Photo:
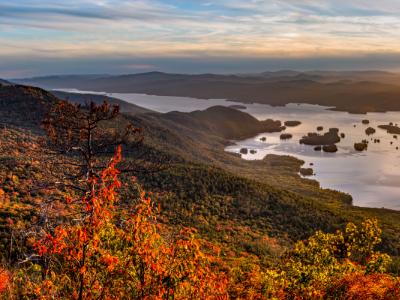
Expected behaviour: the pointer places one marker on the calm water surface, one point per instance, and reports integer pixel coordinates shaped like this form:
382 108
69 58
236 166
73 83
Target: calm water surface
372 177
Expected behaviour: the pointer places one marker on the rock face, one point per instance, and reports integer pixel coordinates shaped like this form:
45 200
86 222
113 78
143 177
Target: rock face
328 138
370 130
306 171
330 148
365 122
286 136
392 129
360 146
292 123
244 151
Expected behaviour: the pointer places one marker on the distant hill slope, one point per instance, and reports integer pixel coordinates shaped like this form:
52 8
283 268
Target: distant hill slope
24 106
86 98
225 122
4 82
58 81
356 92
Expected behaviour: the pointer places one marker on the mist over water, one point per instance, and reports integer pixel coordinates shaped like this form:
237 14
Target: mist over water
371 177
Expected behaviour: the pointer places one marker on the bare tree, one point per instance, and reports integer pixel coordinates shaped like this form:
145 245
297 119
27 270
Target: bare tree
86 137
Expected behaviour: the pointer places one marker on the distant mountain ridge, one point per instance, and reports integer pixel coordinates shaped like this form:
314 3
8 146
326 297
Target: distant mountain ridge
355 92
26 106
4 82
79 98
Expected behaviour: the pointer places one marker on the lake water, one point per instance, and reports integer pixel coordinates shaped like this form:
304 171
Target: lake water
371 177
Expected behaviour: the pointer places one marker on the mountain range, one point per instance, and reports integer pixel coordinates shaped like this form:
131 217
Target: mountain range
354 92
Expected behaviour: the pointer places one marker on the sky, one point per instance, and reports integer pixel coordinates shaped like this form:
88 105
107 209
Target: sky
42 37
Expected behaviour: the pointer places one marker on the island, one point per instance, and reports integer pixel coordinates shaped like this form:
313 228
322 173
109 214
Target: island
328 138
237 106
330 148
292 123
361 146
370 130
286 136
392 129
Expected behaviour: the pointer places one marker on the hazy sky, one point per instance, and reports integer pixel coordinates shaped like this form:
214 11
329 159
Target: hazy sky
127 36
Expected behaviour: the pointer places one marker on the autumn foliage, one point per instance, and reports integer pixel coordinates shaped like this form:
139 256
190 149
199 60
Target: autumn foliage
105 252
365 287
101 247
4 280
110 254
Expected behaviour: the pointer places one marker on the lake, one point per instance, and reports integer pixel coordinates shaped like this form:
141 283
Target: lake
371 177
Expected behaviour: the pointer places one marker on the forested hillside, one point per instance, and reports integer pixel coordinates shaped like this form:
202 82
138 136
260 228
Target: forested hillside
156 209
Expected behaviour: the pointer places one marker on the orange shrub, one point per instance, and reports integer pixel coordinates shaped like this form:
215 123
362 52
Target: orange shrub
365 287
121 255
4 280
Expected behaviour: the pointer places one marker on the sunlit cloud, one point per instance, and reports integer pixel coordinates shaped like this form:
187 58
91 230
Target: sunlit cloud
112 29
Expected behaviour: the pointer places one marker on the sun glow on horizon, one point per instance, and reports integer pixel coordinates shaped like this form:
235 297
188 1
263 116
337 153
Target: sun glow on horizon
152 32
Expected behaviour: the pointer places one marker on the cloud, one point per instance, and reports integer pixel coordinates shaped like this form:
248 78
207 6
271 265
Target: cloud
83 29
